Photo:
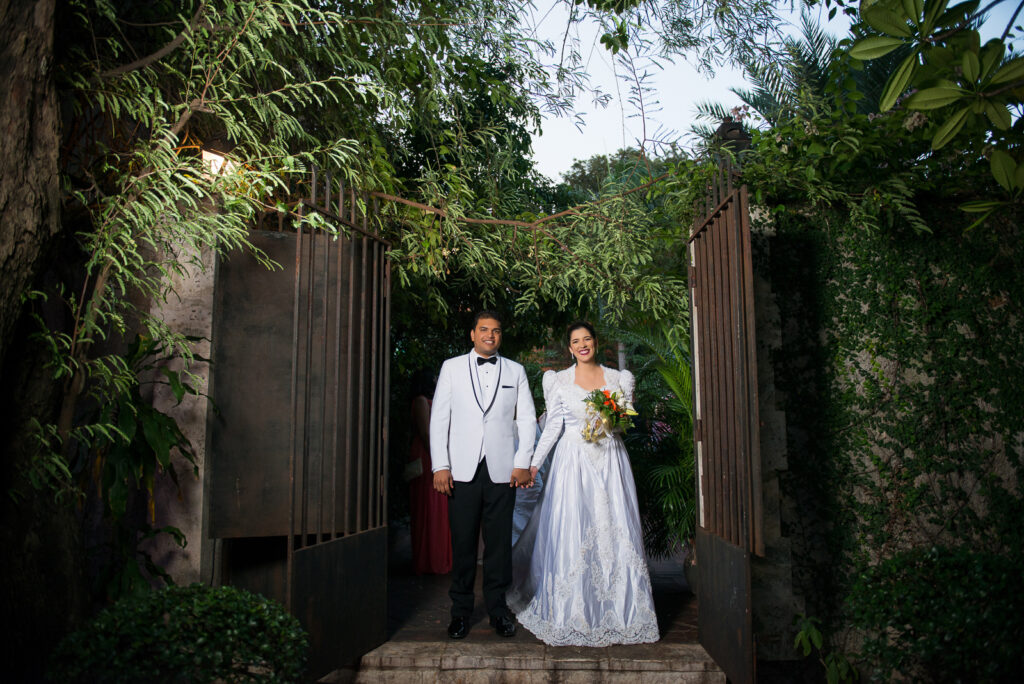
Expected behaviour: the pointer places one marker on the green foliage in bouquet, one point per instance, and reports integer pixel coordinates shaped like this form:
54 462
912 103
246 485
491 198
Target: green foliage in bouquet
608 412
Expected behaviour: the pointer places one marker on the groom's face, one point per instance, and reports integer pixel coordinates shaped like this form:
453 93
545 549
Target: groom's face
486 336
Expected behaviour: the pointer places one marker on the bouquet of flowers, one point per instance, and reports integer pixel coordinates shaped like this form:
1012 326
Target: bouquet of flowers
607 412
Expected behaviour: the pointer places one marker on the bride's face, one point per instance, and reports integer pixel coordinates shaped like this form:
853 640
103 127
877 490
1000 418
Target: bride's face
582 345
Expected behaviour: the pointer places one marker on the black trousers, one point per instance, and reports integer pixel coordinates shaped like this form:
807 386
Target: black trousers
473 505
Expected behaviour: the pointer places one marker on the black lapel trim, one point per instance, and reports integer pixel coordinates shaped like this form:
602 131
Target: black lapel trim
497 387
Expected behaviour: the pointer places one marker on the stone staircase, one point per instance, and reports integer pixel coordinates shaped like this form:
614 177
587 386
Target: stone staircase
472 663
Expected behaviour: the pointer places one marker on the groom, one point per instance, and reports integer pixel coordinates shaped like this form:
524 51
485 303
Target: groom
479 399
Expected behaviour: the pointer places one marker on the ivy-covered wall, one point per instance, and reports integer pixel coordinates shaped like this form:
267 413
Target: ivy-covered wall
901 374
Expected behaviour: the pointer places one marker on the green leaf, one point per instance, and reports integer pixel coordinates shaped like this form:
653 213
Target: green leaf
886 21
1003 168
991 55
998 114
933 10
175 381
1011 71
898 83
949 129
156 436
912 10
971 66
126 422
933 98
875 47
1018 176
979 206
955 15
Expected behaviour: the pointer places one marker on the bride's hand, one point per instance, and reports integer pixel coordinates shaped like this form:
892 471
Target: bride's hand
521 478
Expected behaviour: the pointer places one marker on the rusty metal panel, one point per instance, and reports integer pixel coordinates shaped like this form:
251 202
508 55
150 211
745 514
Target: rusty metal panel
724 624
722 290
298 463
339 594
248 462
727 443
266 449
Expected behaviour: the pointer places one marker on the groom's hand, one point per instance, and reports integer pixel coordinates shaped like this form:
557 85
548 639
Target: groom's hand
521 478
443 482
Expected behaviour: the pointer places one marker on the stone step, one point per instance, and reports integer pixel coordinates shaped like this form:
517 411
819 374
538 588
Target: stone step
472 663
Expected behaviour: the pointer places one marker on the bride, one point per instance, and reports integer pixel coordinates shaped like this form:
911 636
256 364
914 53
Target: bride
579 574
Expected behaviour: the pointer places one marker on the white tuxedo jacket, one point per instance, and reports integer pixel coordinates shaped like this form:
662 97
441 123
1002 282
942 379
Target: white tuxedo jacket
464 425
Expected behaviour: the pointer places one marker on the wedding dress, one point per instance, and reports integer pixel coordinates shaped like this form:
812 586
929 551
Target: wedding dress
579 575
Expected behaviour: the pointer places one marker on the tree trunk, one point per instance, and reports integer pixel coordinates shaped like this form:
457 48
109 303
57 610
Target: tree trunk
42 587
29 123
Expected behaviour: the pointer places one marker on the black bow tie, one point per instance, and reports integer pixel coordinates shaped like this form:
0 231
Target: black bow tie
480 360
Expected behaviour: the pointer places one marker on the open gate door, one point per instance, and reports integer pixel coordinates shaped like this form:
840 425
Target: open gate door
297 465
726 434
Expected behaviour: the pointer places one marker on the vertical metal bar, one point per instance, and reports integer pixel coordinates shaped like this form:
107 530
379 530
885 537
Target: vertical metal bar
336 421
742 380
753 410
737 377
312 182
709 434
733 455
341 198
386 347
327 191
724 421
712 420
349 409
709 354
324 380
360 454
306 487
696 360
372 441
373 436
290 561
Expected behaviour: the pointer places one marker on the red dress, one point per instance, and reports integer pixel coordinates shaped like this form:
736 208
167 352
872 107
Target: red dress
428 509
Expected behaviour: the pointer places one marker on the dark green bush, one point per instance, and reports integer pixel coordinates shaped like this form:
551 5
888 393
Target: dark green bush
185 634
944 615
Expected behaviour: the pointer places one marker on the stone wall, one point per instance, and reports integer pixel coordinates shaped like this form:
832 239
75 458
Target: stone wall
189 311
775 605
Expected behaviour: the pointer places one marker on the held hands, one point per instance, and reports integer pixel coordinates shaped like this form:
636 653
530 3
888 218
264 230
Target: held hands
443 482
521 477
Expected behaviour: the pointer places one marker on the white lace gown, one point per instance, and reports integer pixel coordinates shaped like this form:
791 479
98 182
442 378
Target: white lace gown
579 576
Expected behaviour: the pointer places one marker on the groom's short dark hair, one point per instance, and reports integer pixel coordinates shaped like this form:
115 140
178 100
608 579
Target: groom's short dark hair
486 314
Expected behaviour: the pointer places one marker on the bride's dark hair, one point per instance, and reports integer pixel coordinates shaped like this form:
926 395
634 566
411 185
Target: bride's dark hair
576 325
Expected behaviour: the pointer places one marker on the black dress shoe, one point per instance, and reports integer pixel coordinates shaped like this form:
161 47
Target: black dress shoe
458 628
504 626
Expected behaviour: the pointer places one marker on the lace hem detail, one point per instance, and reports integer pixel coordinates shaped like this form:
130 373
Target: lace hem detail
644 630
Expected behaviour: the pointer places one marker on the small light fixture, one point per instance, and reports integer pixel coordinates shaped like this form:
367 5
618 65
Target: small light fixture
215 160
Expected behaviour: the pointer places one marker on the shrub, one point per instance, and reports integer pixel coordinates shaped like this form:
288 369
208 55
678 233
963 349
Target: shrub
185 634
943 615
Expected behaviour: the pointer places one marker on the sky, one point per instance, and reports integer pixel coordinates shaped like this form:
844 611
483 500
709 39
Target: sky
678 88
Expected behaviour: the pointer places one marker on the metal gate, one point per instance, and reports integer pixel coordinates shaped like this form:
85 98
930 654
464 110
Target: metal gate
298 449
726 431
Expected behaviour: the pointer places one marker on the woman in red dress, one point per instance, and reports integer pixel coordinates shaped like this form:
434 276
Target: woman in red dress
428 508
